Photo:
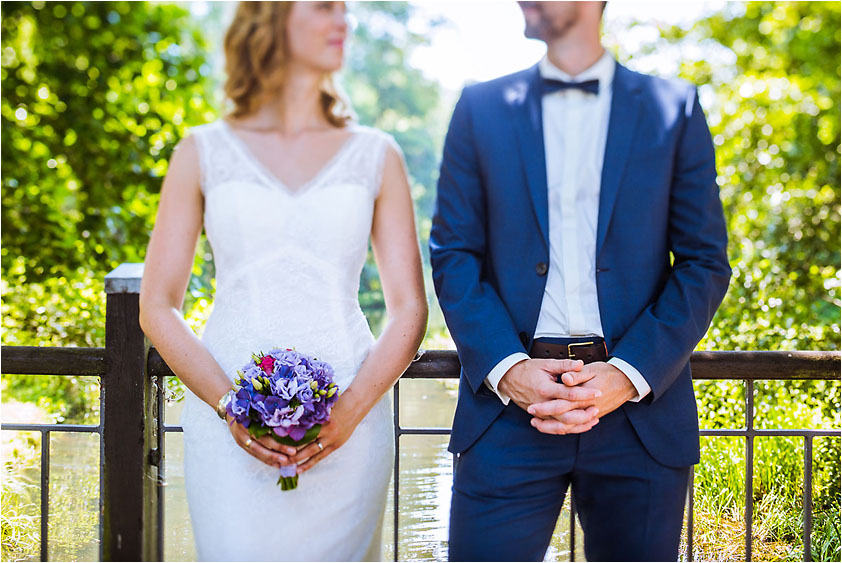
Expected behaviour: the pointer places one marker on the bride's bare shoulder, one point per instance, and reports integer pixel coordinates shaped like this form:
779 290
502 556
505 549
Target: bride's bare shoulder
185 165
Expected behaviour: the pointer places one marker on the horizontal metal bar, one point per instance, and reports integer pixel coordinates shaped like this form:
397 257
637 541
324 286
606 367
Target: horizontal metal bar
444 364
720 365
425 431
770 432
435 364
52 360
765 365
15 427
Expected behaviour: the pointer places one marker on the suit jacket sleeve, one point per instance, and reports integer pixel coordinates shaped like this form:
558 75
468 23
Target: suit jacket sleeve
479 323
659 342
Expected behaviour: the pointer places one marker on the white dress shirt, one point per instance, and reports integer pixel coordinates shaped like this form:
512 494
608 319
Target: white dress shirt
575 130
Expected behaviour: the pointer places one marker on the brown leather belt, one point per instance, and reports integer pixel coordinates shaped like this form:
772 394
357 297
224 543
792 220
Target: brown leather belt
586 349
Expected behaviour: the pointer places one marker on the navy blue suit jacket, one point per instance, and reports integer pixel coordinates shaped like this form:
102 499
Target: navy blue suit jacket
658 197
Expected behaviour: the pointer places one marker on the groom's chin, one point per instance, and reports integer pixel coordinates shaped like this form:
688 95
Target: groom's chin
533 32
533 28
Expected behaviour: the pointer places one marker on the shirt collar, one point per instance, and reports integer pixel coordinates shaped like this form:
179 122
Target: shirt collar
602 70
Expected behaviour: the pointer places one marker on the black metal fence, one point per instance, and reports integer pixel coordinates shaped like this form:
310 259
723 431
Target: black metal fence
132 428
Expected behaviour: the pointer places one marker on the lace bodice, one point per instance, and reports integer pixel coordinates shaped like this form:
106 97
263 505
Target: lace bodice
288 263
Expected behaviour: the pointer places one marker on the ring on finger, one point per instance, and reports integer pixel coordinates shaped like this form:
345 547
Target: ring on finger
248 443
319 443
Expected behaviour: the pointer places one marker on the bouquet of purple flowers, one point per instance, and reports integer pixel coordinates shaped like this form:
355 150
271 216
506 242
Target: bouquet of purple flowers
287 395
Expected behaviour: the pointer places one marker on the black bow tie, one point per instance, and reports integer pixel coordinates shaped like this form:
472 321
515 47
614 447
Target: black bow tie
551 85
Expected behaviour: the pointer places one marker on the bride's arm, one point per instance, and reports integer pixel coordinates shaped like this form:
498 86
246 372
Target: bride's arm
394 240
169 259
396 251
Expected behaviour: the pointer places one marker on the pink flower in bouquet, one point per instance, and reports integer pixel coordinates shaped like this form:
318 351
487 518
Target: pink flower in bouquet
267 364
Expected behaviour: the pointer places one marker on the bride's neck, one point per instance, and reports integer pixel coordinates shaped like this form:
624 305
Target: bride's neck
295 109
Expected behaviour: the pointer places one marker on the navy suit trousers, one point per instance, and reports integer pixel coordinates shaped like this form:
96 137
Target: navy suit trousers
509 487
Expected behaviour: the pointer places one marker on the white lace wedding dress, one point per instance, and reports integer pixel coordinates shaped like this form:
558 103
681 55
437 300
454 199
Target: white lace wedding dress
288 266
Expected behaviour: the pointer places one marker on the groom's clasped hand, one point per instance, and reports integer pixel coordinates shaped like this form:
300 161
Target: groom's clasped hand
590 391
566 396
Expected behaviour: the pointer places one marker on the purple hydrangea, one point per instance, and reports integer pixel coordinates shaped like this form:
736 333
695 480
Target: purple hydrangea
286 394
278 397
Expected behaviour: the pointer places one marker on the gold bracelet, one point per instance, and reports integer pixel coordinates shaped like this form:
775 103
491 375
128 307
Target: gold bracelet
221 406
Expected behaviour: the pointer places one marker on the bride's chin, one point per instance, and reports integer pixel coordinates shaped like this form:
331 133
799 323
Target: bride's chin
332 62
335 67
323 68
324 62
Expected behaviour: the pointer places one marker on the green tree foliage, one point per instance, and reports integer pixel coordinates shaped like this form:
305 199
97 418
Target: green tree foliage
94 96
775 118
389 94
769 76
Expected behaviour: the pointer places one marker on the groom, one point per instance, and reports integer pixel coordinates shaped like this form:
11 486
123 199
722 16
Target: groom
579 253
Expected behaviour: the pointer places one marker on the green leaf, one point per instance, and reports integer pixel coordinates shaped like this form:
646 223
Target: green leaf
311 435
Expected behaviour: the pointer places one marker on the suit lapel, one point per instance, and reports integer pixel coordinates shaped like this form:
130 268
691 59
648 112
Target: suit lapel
625 110
524 98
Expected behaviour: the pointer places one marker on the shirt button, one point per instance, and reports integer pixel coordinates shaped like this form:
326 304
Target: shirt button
541 268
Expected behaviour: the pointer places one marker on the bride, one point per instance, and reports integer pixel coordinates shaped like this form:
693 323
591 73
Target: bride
289 190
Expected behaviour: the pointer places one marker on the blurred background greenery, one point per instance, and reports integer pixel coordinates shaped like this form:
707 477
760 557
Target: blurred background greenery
96 94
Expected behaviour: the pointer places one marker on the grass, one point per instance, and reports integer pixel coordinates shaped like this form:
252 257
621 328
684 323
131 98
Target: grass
19 516
74 491
777 517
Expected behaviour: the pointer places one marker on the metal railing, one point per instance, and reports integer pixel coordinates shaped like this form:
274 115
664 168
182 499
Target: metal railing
132 429
740 366
129 407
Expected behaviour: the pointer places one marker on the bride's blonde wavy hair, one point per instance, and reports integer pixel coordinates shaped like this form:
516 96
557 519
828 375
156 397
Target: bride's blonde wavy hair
256 53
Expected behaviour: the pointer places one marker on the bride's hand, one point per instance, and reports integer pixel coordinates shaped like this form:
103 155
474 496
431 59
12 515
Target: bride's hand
265 449
343 420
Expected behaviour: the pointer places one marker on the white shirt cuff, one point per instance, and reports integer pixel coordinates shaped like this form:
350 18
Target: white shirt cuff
495 375
634 376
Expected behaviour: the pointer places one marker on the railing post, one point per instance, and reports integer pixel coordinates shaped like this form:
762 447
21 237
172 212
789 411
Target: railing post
396 406
129 493
749 492
808 497
690 497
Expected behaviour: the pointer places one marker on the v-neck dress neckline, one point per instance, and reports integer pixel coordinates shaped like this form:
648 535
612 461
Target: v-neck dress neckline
271 178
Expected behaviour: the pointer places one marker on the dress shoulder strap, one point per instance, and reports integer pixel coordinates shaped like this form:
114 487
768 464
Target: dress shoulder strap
369 154
217 159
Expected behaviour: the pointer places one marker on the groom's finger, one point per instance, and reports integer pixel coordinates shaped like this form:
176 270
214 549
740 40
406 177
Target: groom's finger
573 378
574 393
557 408
578 417
553 426
560 366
